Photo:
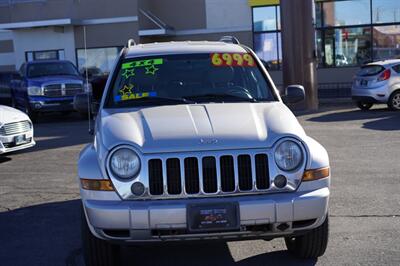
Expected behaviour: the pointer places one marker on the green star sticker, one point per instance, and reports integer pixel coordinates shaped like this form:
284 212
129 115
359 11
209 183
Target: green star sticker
126 90
128 73
151 70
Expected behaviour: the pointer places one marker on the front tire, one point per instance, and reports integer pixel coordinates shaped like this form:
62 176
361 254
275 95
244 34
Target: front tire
394 101
364 106
311 245
32 115
97 251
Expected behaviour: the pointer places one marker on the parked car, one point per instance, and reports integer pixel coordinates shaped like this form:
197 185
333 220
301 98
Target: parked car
16 130
193 142
377 82
47 86
5 86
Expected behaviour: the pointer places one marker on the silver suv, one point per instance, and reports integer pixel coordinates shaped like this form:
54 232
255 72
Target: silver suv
378 82
193 142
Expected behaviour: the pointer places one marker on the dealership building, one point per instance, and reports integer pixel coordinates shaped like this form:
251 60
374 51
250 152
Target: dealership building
349 33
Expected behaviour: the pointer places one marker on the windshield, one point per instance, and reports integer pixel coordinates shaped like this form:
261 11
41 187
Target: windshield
188 78
51 69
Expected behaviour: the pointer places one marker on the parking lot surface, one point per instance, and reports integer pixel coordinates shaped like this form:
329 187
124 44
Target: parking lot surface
39 199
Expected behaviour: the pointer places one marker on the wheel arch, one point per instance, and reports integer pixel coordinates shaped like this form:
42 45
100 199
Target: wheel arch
88 165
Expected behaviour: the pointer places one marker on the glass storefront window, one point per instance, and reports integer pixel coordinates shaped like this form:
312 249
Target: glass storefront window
318 15
268 47
347 46
348 12
386 42
385 11
320 50
278 19
45 55
348 32
99 60
264 18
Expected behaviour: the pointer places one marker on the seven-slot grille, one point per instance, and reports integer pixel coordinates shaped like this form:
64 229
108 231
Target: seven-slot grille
15 128
59 90
208 175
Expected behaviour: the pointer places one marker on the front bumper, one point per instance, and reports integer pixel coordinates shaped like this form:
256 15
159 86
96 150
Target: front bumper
46 104
7 143
160 220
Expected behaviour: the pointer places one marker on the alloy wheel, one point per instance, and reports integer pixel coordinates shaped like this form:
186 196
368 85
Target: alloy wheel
396 101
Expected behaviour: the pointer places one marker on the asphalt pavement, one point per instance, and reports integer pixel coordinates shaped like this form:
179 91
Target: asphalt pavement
39 199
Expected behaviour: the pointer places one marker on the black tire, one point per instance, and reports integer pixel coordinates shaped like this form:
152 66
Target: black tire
364 106
66 113
13 103
311 245
32 115
394 101
97 251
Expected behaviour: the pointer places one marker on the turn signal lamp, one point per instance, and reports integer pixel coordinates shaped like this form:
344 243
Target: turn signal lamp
315 174
95 184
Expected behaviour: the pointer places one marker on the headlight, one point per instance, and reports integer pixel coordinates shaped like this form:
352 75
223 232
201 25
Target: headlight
125 163
35 91
288 155
87 87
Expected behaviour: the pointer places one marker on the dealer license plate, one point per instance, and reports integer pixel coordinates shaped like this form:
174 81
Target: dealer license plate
213 217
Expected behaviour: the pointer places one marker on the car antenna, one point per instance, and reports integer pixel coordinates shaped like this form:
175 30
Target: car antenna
90 130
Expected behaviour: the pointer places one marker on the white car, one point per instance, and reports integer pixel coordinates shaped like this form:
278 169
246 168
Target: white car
16 130
377 82
193 142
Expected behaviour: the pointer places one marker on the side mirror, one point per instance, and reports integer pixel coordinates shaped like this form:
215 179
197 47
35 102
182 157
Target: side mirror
294 94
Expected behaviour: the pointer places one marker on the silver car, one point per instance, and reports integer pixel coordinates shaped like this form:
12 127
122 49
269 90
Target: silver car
193 142
377 82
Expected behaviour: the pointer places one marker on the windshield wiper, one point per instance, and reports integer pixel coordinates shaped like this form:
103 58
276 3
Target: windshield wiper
157 99
223 97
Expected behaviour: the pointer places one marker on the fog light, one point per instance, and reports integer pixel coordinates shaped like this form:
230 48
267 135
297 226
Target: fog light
137 189
280 181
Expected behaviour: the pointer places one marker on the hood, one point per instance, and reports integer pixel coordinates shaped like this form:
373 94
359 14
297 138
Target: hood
9 115
59 78
198 127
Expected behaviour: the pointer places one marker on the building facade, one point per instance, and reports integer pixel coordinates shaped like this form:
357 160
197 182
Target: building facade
60 29
349 33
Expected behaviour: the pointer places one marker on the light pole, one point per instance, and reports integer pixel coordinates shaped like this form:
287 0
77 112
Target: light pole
299 49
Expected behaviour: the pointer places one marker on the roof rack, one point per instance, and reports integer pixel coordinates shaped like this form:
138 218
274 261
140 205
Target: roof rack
131 43
229 39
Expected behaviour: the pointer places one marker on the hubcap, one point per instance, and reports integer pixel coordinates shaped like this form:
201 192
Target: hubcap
396 101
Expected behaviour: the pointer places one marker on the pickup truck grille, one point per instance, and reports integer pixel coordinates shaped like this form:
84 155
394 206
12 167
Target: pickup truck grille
209 175
15 128
60 90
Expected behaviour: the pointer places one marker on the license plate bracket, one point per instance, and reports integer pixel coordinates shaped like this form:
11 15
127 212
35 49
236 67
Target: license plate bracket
20 139
213 217
364 82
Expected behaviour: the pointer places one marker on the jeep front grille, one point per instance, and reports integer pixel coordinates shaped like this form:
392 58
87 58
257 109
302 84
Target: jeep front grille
15 128
208 175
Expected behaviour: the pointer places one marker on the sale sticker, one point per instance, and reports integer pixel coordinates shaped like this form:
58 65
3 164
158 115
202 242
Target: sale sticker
232 59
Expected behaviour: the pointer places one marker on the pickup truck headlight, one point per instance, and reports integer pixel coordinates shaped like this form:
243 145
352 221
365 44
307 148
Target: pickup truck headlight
35 91
288 155
125 163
